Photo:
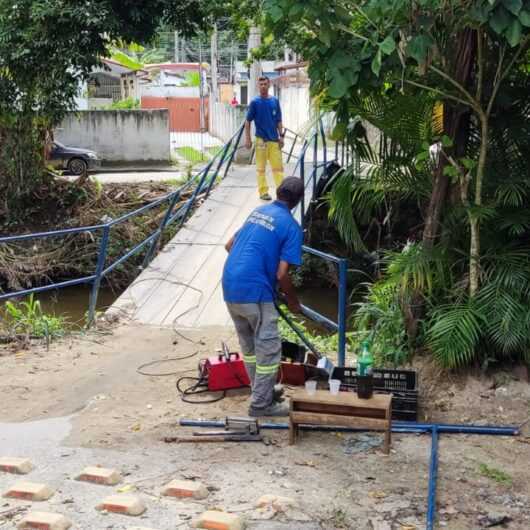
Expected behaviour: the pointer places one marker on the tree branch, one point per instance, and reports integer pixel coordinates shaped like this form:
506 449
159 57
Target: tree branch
440 92
522 48
480 64
472 102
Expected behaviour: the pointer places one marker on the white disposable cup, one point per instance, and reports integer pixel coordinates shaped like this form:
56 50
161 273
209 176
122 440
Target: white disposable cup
334 386
310 387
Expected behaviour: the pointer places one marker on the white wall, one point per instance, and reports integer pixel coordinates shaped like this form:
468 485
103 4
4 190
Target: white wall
119 135
170 91
296 107
225 119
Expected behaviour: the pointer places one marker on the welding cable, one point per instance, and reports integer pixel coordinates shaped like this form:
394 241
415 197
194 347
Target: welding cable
199 386
162 361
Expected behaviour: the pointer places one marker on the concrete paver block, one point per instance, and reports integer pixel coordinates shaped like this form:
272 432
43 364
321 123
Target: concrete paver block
100 475
45 521
30 491
215 520
185 488
20 466
139 528
125 504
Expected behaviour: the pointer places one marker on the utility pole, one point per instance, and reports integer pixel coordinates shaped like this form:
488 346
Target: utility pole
176 54
215 60
254 41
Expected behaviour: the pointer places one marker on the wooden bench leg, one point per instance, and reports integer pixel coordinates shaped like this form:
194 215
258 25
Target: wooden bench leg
386 447
292 432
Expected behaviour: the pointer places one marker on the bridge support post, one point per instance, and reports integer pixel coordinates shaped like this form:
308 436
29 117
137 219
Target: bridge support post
343 299
161 228
102 257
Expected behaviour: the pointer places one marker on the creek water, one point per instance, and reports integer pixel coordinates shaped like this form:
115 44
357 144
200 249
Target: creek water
71 302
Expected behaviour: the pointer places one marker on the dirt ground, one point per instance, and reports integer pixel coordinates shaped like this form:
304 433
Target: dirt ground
336 480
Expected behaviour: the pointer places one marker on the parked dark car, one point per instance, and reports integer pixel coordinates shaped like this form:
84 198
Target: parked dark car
75 159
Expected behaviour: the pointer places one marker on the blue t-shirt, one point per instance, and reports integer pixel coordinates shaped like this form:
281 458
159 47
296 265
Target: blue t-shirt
269 235
266 114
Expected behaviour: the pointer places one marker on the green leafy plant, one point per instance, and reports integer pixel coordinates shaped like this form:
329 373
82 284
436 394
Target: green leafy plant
28 318
129 103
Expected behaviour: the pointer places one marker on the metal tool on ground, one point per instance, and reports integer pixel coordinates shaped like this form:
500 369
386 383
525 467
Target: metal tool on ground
214 438
236 429
235 426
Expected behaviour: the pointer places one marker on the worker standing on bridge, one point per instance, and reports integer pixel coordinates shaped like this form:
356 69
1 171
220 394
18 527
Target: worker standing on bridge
259 256
265 112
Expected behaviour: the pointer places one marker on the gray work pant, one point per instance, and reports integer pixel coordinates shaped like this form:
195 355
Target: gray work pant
257 330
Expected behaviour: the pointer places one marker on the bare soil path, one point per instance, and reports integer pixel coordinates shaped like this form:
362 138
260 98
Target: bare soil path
84 403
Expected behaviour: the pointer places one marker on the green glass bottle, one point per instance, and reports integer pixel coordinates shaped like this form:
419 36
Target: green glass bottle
366 360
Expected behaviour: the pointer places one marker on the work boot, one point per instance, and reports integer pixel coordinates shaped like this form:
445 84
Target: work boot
276 409
265 197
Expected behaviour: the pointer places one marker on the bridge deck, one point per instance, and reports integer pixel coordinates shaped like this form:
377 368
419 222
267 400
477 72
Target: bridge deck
182 286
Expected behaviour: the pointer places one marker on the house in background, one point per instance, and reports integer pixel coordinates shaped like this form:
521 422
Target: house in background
240 88
177 87
110 83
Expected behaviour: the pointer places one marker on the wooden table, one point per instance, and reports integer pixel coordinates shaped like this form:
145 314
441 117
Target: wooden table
342 410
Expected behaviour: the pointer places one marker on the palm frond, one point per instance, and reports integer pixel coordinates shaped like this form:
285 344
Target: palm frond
454 332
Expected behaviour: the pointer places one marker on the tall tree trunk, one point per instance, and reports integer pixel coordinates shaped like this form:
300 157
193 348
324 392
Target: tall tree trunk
456 126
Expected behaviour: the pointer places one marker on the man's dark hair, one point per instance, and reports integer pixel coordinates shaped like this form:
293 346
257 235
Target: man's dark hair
263 78
290 191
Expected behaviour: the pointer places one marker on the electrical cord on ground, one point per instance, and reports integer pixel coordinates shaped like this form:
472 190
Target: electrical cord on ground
162 361
199 386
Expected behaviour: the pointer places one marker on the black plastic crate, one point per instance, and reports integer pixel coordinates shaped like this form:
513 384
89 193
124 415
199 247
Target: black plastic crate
384 379
402 384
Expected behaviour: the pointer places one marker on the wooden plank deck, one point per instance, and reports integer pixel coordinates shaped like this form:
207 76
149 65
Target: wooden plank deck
182 285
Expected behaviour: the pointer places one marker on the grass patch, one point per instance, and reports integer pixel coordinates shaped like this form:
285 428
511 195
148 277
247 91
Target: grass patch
27 318
497 475
214 150
191 154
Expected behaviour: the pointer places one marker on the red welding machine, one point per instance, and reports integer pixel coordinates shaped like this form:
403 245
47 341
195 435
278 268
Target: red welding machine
225 371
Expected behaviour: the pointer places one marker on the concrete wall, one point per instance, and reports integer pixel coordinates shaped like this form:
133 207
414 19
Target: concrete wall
119 135
296 107
225 119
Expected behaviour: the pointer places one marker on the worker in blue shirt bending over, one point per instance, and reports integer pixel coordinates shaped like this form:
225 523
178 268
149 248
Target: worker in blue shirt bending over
259 257
265 112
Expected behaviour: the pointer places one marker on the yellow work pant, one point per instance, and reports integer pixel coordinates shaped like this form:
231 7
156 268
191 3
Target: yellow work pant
268 151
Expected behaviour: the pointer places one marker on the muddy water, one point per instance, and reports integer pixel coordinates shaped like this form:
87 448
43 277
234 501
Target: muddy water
72 303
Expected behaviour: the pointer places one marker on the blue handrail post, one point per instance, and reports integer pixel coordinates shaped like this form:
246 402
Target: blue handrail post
161 228
433 472
324 146
315 151
236 144
102 257
218 168
302 201
343 283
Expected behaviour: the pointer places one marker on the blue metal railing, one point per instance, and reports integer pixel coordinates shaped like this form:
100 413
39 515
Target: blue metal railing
201 184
